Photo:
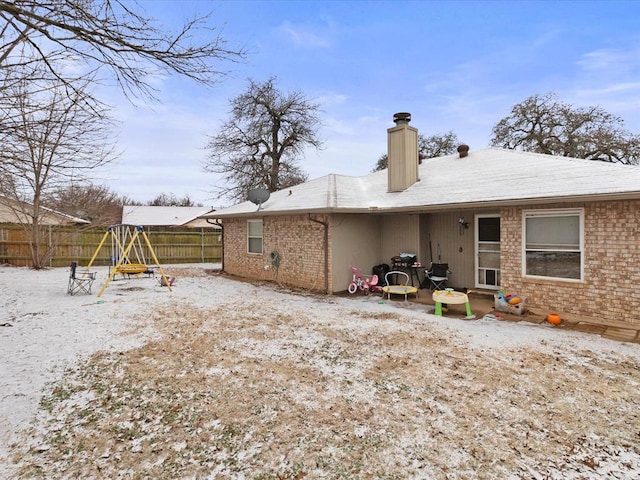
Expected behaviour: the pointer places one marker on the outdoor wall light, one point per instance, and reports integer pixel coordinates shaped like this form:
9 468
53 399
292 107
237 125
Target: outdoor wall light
462 225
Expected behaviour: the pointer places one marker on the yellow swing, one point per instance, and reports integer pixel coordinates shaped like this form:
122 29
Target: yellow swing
126 240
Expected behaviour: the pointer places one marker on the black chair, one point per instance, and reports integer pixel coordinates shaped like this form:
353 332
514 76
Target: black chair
437 276
80 284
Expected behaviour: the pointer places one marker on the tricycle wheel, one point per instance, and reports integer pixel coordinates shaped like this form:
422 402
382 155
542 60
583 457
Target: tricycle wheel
352 287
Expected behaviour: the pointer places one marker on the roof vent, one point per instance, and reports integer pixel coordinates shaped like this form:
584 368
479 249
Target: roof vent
401 118
463 150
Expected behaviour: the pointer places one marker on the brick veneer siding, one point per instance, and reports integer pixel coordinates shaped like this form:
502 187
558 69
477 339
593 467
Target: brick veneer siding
298 241
611 286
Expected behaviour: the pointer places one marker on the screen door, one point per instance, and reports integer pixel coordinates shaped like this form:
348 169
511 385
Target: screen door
487 233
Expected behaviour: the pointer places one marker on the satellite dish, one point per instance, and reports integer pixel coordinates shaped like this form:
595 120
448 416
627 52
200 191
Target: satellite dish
258 196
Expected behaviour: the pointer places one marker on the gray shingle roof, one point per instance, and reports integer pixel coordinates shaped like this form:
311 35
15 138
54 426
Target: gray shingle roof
161 215
492 176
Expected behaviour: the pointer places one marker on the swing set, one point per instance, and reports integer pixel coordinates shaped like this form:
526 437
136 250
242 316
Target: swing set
128 254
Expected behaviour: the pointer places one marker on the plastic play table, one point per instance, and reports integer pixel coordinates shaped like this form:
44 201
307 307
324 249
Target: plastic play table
449 296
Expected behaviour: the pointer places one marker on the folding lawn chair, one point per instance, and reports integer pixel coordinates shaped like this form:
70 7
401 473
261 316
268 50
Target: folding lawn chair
80 284
437 276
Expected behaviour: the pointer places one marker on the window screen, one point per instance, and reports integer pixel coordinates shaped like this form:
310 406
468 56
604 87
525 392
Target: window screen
553 244
254 236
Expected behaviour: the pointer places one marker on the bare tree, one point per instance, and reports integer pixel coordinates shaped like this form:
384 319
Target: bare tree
438 145
260 145
170 200
544 124
382 163
53 130
98 34
49 137
432 146
96 203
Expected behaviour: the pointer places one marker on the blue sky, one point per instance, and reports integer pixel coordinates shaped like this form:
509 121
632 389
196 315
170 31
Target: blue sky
457 66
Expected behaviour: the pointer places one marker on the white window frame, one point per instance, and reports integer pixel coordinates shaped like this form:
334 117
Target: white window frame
568 212
254 237
476 237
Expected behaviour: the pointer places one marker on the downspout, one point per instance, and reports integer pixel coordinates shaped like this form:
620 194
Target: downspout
215 222
326 252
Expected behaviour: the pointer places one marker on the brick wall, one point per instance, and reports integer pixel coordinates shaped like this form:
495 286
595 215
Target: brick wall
298 241
610 290
611 286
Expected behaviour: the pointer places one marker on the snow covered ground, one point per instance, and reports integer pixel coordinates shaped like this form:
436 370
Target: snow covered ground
229 379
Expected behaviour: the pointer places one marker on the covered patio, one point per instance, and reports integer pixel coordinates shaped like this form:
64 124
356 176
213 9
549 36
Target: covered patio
483 305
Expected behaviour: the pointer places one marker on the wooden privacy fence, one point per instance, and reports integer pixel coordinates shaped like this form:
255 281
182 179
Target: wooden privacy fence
67 244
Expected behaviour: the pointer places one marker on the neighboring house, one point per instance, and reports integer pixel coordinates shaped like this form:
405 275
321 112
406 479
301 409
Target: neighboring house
151 216
562 232
178 234
16 234
15 212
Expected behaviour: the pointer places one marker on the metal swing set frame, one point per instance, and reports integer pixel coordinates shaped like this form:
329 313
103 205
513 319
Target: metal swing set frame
126 242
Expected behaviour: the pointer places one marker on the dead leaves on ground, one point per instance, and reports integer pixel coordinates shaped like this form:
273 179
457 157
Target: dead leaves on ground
271 390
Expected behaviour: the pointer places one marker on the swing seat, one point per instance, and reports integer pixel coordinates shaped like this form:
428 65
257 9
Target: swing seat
126 245
131 269
128 269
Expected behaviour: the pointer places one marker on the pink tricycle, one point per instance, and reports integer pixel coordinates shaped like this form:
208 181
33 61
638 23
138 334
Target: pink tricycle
360 282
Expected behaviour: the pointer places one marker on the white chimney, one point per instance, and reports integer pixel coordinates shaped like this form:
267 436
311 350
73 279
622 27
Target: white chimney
402 153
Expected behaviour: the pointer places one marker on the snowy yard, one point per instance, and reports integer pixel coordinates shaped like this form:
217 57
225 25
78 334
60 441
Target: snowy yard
226 379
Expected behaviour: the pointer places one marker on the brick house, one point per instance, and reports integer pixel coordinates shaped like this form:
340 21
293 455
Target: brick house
562 232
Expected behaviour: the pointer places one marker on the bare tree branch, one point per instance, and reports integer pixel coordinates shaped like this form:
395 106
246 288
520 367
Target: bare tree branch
260 145
432 146
48 140
96 203
543 124
107 33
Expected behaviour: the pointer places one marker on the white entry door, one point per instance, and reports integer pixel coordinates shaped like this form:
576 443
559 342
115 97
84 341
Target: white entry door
487 244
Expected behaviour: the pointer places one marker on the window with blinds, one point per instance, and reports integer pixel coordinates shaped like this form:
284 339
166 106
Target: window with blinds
254 236
553 245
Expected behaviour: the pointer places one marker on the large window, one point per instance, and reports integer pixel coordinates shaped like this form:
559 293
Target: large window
553 245
254 236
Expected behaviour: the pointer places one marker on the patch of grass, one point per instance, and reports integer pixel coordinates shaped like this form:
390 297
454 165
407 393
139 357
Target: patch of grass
276 391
